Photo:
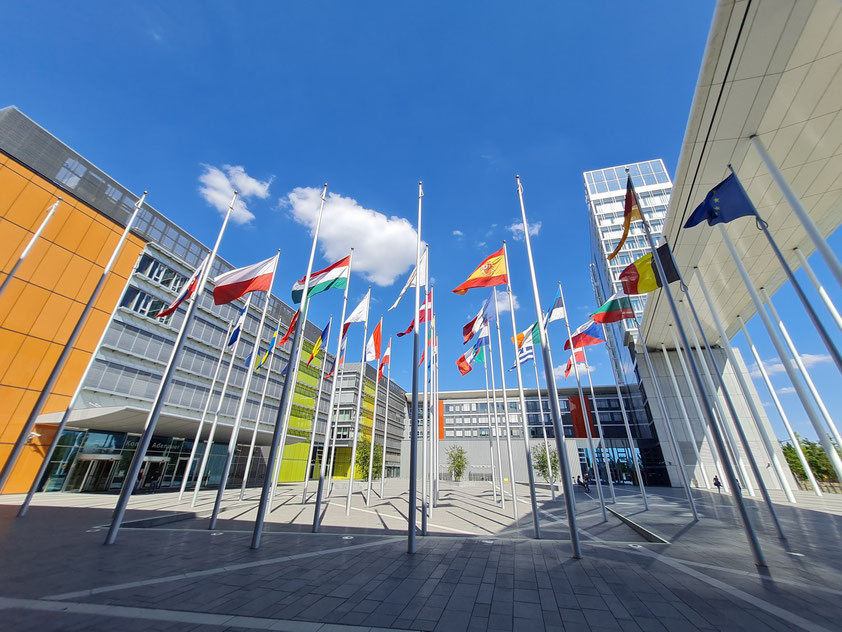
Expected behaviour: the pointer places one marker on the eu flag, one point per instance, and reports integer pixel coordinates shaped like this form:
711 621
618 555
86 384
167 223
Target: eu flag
726 201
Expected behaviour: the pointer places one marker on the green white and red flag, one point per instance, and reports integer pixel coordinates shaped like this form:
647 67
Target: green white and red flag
615 309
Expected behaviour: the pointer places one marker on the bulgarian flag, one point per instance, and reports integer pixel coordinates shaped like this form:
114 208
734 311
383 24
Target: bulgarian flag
466 360
587 334
492 271
579 355
254 278
615 309
186 293
334 276
387 359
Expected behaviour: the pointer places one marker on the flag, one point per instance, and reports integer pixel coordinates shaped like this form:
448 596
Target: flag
530 336
524 354
340 360
424 313
372 347
642 275
587 334
262 360
238 327
247 361
254 278
359 315
556 310
387 358
421 361
485 314
334 276
467 359
580 357
484 337
410 282
290 330
188 291
725 202
319 342
615 309
631 213
492 271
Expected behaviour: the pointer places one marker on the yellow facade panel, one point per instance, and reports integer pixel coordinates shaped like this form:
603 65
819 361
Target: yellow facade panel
93 243
28 208
49 322
17 416
92 329
49 261
14 240
89 284
45 366
9 401
73 277
10 344
74 229
28 306
11 186
68 379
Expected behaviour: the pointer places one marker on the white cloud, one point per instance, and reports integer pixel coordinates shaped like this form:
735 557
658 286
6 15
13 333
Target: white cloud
517 230
558 371
218 186
503 301
786 390
775 366
384 247
458 233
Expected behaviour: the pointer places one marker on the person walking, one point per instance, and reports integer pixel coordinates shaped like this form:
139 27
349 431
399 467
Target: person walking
717 483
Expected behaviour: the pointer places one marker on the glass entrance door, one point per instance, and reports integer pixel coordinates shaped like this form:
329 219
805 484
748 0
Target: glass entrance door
100 475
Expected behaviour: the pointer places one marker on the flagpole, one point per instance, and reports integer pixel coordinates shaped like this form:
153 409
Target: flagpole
599 428
800 212
198 437
434 422
385 423
413 434
269 365
316 413
497 421
374 425
505 407
329 428
796 444
163 389
544 428
340 374
212 432
755 413
757 552
680 398
46 390
280 431
11 274
359 411
490 431
428 405
425 421
828 303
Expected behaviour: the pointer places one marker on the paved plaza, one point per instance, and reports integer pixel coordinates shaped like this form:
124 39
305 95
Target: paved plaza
477 569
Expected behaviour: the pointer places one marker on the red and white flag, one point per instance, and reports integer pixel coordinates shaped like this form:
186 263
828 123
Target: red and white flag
359 315
372 347
580 358
387 358
254 278
424 312
188 291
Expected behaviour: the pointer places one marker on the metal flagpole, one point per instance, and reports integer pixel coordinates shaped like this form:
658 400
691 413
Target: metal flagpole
796 444
544 428
496 421
386 424
800 212
425 418
29 424
11 274
340 374
219 405
152 420
413 433
505 406
238 418
280 431
731 443
318 402
374 427
767 442
796 357
679 397
198 437
429 408
602 439
688 380
828 303
269 365
434 469
331 417
359 412
529 470
490 433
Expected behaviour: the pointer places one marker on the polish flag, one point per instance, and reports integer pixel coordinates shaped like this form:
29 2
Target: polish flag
254 278
387 358
580 358
425 312
372 347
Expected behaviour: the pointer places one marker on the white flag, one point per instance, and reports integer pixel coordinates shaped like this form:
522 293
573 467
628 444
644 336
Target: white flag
410 282
360 313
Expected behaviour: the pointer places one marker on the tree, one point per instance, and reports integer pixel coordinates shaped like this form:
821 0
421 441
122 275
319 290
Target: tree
363 453
457 461
816 457
539 462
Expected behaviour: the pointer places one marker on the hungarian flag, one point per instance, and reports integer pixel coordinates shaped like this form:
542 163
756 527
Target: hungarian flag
414 279
290 331
467 359
359 315
529 337
615 309
188 291
587 334
580 358
631 213
317 346
334 276
490 272
254 278
387 358
372 347
485 315
642 275
424 312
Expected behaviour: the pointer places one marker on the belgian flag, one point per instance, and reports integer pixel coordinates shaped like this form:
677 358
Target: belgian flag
642 276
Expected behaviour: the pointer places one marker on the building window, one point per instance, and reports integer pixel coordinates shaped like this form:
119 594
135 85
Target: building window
143 303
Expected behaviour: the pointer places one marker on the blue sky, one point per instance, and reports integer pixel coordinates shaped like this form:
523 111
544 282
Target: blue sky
185 98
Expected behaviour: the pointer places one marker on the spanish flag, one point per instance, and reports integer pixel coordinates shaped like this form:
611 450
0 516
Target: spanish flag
631 213
490 272
642 277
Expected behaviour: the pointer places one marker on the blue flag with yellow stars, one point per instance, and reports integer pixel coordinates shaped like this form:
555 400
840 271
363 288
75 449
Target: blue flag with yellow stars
726 201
